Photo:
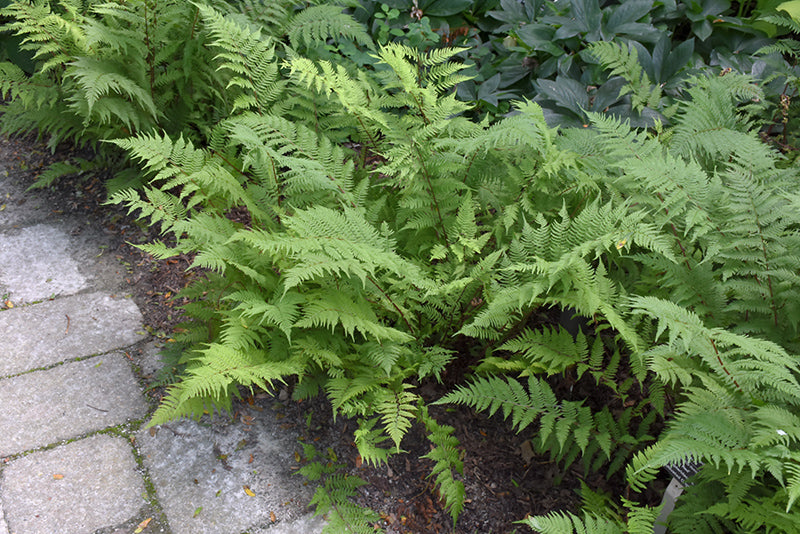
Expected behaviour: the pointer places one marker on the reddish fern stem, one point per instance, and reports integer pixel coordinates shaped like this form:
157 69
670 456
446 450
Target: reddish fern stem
433 197
719 359
395 306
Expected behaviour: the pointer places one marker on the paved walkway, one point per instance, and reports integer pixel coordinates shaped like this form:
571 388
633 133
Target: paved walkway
75 457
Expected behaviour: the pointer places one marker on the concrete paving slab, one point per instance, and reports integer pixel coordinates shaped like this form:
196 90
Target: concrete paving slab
35 264
76 488
202 474
54 331
18 207
66 402
3 525
307 524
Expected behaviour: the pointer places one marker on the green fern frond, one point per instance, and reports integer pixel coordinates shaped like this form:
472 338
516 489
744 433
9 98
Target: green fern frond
312 163
568 523
55 36
314 25
548 350
710 121
333 499
370 440
493 393
334 242
397 410
210 377
447 460
101 79
330 309
249 59
623 60
784 20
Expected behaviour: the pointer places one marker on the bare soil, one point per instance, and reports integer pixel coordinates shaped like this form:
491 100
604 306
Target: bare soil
504 480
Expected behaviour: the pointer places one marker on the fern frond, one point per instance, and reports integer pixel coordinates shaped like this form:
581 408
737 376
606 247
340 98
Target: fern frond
208 381
548 350
333 500
101 79
397 409
334 242
569 523
314 25
710 123
623 60
249 59
331 308
447 460
493 393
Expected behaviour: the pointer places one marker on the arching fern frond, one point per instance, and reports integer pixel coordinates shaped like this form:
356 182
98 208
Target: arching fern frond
250 61
209 381
316 24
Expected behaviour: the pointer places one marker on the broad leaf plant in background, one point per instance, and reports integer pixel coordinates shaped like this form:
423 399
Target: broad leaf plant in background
362 230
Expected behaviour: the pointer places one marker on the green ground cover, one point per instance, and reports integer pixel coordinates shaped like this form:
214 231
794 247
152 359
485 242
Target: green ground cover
379 192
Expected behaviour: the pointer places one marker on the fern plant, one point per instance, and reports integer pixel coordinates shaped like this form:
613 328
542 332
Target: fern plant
108 70
354 279
355 227
312 285
728 359
332 496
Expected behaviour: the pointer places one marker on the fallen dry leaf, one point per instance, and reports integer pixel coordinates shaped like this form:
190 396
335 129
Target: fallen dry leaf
248 491
272 517
527 452
58 476
143 525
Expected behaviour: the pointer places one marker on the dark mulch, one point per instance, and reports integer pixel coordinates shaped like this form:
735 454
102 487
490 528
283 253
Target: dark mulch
504 481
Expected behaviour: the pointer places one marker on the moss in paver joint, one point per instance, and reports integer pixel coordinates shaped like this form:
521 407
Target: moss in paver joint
126 431
63 362
149 486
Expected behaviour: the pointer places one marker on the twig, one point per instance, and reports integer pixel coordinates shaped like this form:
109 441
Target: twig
67 330
96 408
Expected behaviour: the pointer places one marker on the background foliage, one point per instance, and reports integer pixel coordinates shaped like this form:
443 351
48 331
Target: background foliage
368 217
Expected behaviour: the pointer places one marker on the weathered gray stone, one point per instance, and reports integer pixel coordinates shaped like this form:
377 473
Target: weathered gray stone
308 524
66 402
148 358
73 489
3 525
53 331
200 472
35 263
18 207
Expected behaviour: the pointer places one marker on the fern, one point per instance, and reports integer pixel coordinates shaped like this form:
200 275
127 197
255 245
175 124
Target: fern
447 463
747 432
332 497
249 59
315 25
356 230
624 61
211 377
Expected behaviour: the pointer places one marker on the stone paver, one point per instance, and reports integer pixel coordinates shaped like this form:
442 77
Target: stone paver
30 272
63 377
73 489
184 462
3 525
18 207
67 401
54 331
